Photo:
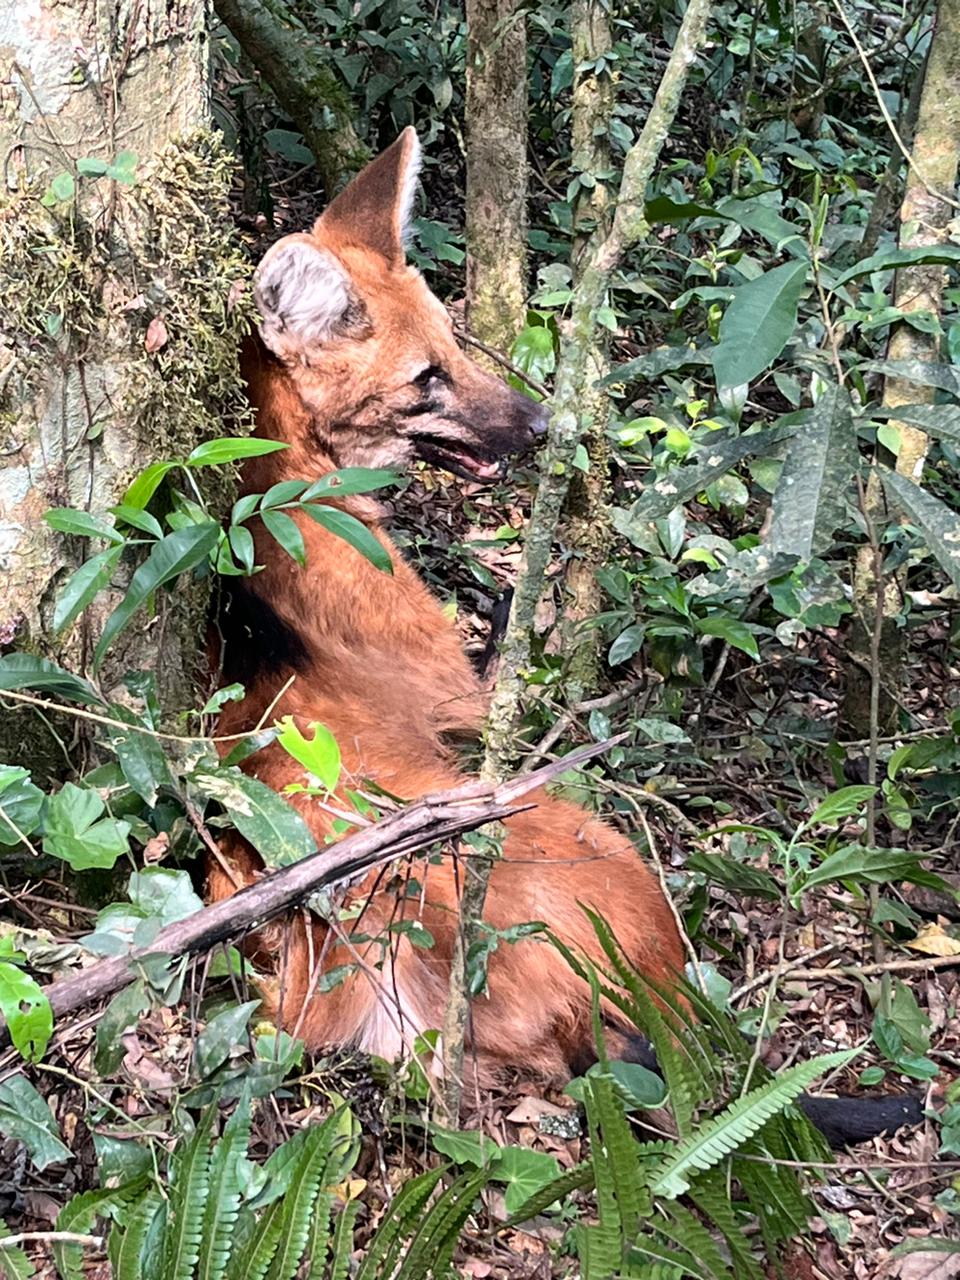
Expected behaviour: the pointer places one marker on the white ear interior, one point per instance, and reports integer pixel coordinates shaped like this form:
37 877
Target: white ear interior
303 294
408 186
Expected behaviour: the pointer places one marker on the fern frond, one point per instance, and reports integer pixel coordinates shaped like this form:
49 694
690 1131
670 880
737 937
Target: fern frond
251 1262
684 1229
397 1224
79 1215
436 1238
128 1261
579 1178
343 1241
619 1151
223 1202
721 1135
14 1263
318 1241
649 1250
188 1199
710 1195
599 1250
775 1196
298 1203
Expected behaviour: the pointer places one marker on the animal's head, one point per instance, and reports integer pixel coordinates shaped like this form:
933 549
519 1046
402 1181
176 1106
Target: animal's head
371 350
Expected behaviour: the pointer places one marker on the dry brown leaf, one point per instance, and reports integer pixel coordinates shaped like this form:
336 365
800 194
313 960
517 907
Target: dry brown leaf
529 1110
933 941
156 335
925 1265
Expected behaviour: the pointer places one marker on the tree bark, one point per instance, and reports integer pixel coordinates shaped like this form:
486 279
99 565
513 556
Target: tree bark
589 534
925 216
86 399
292 63
496 132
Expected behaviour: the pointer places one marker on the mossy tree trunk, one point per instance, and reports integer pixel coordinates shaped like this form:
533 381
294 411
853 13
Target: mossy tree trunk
588 526
118 332
925 217
496 134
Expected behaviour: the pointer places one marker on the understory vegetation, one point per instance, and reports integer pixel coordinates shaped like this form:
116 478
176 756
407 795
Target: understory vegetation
752 590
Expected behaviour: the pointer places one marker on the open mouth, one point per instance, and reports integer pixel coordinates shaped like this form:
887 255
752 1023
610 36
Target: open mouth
459 459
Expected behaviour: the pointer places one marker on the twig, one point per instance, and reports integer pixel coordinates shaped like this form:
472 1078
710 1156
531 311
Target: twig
424 823
51 1237
779 971
887 117
533 383
885 966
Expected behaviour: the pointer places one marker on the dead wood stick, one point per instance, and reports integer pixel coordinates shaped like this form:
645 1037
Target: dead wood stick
423 823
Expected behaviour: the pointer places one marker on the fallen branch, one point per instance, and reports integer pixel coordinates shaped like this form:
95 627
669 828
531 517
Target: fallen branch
421 824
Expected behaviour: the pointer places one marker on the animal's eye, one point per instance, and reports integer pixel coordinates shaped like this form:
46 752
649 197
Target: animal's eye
432 373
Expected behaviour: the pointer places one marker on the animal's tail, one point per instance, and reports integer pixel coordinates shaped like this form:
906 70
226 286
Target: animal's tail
844 1121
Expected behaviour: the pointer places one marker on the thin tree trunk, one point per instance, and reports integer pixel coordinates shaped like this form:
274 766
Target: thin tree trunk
292 63
496 134
87 399
924 219
589 534
575 372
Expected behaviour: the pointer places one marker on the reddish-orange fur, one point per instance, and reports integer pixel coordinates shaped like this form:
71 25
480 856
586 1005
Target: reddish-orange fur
385 672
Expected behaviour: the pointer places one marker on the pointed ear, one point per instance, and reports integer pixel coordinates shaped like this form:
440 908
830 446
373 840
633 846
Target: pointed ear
304 296
374 210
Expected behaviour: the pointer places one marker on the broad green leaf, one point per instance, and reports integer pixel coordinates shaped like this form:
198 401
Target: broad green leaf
627 643
664 209
284 491
662 731
25 1116
24 671
120 1016
653 363
91 166
75 831
319 755
944 255
841 804
681 483
809 502
872 866
20 804
214 453
757 324
229 693
732 630
173 555
636 1086
26 1011
84 586
753 214
534 351
272 826
146 484
285 531
938 420
138 519
80 523
944 376
242 545
221 1034
165 893
140 757
525 1172
352 531
939 524
465 1146
351 480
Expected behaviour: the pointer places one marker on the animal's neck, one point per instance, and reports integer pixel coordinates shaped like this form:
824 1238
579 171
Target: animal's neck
383 634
